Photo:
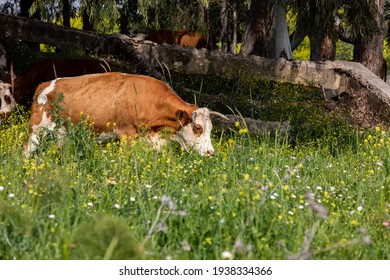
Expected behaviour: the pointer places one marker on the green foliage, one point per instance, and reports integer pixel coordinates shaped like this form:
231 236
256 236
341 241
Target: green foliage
344 51
302 52
104 237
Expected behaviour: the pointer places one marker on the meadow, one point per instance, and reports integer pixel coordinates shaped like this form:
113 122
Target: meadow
320 192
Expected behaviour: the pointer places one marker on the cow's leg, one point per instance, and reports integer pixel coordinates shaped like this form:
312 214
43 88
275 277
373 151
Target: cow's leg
40 130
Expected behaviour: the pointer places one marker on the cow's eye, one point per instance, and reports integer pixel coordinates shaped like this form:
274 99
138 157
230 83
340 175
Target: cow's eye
198 130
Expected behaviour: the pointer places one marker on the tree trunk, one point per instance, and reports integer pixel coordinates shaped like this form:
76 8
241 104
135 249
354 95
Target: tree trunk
201 14
66 13
233 46
369 50
281 40
266 34
256 33
224 26
316 19
87 24
322 46
124 19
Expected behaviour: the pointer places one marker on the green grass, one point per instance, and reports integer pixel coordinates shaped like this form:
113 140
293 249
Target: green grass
249 201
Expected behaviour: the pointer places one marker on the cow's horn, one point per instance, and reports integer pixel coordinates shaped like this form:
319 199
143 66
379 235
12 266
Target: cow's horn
219 115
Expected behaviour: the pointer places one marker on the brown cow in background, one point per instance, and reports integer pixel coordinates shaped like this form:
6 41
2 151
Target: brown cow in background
188 38
162 36
47 70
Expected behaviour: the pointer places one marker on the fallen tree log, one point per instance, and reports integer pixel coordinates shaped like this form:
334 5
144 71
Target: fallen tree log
367 94
241 124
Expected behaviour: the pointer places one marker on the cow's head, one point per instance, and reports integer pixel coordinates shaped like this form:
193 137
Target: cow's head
7 102
195 131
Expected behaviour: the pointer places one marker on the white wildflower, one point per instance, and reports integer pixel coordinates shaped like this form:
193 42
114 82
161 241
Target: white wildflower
185 246
226 255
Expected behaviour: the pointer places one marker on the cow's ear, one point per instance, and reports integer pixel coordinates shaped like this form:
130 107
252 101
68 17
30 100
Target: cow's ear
183 117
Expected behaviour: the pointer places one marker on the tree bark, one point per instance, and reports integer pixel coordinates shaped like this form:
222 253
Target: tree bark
233 46
317 20
201 14
224 26
266 34
281 41
124 19
87 24
322 46
368 50
256 29
66 13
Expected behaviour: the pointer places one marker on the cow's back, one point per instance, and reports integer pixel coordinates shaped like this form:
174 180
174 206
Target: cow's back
162 36
190 38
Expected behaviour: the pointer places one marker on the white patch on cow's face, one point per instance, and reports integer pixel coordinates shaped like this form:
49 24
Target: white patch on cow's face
46 123
42 97
196 135
7 102
157 141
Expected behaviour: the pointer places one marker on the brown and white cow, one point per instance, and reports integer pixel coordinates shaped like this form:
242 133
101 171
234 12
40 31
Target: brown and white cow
136 104
47 70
